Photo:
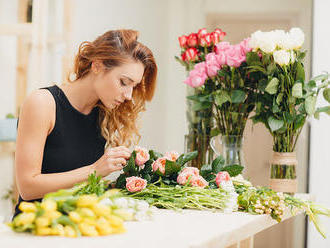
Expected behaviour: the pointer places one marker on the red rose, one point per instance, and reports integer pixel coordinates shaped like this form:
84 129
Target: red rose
183 56
201 32
205 40
183 41
215 37
220 32
191 54
192 40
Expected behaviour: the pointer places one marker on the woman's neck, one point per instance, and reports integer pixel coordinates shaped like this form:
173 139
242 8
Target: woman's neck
81 94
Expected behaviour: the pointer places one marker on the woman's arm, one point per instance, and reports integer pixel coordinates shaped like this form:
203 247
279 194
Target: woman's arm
36 121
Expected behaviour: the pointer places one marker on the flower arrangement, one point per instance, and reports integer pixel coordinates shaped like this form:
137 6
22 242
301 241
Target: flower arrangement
194 49
284 99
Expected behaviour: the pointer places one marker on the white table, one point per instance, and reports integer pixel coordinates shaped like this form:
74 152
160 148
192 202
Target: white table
168 229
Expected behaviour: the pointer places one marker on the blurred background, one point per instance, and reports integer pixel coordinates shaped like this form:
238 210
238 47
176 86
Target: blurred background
39 38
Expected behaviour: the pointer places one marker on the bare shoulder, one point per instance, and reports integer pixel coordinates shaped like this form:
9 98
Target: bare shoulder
39 108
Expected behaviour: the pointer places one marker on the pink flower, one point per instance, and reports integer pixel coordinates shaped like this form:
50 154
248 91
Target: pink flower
220 32
199 181
183 41
173 155
159 164
183 178
212 65
191 54
245 46
192 40
221 177
221 59
135 184
197 76
191 170
142 156
222 47
234 56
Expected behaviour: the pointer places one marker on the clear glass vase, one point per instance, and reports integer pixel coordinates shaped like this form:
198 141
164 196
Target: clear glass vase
231 148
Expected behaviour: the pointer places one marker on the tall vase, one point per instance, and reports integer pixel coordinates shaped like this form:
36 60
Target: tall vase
283 172
200 124
231 149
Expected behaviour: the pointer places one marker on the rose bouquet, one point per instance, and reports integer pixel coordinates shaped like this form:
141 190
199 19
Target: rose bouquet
284 99
232 93
194 49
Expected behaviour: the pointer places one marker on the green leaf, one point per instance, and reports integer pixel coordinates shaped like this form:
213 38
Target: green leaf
274 124
154 155
206 172
215 132
121 181
10 116
325 109
184 158
252 57
301 55
171 167
200 98
297 90
311 84
222 97
217 164
300 72
271 69
310 103
272 86
326 94
130 168
238 96
233 170
299 121
279 98
201 105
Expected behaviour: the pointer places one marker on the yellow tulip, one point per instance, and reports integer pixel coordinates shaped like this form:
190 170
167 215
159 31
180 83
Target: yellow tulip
53 214
42 221
58 229
86 212
48 205
123 214
103 226
75 217
115 221
87 200
27 207
70 232
88 230
24 218
101 210
43 231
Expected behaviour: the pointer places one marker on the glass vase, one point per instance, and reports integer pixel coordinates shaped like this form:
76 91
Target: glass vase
231 149
283 176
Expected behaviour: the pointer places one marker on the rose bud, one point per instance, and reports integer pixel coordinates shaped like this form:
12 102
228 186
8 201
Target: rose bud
215 38
201 32
192 40
183 41
191 54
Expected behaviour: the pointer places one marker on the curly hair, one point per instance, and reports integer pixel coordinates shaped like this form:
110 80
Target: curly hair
114 48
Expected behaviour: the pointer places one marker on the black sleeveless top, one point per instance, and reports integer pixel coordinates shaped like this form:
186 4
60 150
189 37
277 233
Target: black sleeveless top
75 140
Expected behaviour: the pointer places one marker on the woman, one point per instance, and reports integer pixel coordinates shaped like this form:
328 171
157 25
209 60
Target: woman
63 130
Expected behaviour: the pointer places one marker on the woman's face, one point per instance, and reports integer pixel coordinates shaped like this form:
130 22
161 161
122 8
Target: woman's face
116 86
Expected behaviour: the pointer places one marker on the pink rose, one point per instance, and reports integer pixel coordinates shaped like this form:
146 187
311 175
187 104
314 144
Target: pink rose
142 156
191 54
173 155
245 46
135 184
221 59
191 170
192 40
183 178
221 177
197 76
183 41
159 164
212 65
222 47
199 181
234 56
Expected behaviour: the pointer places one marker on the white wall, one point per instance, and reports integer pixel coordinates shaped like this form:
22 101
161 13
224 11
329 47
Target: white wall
320 131
8 11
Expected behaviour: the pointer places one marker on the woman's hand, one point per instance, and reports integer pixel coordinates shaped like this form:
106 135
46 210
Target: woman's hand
114 159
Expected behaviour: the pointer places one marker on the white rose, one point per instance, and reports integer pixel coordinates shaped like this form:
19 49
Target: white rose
279 37
292 56
282 57
297 36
